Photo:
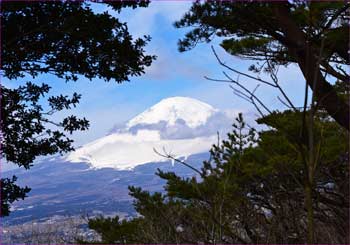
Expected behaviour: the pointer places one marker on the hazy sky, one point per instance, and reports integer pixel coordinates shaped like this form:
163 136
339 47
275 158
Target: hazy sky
172 74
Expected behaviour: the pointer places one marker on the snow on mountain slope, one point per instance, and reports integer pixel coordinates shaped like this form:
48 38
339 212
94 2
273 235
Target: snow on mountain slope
126 151
179 125
193 112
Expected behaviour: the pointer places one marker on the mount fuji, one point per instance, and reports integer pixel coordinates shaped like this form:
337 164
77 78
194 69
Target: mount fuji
95 177
180 126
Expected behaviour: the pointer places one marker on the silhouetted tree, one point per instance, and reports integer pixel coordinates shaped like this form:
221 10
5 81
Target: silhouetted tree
65 39
313 35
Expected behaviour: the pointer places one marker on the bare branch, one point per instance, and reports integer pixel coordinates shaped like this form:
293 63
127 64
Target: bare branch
284 103
247 91
240 73
251 98
169 156
273 75
247 98
240 94
330 70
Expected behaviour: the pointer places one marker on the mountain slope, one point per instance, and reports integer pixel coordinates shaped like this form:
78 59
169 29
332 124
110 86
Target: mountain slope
62 188
125 151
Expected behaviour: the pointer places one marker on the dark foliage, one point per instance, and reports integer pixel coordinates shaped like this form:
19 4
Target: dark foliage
27 134
65 39
10 192
313 35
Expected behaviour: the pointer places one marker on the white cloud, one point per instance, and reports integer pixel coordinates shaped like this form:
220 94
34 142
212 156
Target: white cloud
170 65
142 21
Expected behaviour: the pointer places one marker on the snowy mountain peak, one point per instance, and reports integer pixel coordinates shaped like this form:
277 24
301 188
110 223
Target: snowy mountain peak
191 111
178 125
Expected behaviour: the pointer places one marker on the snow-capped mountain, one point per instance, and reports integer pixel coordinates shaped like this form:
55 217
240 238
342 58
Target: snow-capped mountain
179 126
193 113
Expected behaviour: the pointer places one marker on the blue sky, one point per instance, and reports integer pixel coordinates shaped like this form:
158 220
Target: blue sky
172 74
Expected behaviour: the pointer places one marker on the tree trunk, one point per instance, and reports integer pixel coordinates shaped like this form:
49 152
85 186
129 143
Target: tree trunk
304 53
310 214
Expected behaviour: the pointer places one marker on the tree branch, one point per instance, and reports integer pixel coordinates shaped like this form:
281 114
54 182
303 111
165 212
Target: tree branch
240 73
169 156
